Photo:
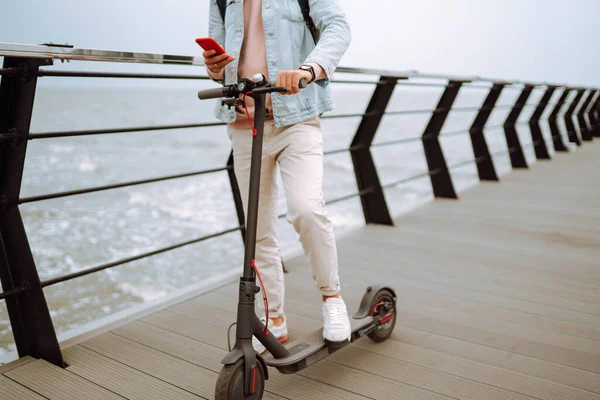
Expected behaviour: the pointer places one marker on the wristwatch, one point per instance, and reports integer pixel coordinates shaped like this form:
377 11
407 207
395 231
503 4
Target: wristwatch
309 68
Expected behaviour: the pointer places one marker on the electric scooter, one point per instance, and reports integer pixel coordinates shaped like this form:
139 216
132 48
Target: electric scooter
245 371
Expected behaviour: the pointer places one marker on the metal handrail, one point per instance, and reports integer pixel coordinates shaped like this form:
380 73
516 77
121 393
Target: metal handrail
57 52
84 74
119 185
98 268
48 135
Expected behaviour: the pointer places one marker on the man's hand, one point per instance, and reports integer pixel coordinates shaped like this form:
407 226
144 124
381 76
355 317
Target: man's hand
291 80
216 64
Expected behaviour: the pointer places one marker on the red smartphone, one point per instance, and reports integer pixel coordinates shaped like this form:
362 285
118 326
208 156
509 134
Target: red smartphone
210 44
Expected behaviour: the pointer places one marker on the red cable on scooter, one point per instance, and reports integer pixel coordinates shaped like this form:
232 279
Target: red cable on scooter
266 330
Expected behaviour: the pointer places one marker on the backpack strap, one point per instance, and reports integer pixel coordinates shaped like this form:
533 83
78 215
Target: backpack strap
305 8
222 6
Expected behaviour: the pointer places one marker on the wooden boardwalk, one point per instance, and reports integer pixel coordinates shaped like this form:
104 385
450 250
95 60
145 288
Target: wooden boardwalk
499 298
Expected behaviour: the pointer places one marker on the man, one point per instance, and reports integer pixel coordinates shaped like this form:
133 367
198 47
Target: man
271 37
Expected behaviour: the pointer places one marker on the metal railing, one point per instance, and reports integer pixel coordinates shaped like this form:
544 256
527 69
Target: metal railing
23 290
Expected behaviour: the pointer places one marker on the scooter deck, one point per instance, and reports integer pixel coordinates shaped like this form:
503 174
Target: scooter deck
312 348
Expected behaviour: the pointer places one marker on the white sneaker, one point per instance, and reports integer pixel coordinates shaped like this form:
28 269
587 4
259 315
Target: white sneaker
336 323
280 332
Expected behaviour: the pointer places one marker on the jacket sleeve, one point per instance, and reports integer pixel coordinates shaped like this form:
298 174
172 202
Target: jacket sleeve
216 30
335 36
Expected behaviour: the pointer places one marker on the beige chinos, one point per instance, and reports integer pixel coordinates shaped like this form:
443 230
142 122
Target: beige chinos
298 150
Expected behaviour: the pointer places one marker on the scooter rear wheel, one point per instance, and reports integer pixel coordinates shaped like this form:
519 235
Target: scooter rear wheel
230 384
384 310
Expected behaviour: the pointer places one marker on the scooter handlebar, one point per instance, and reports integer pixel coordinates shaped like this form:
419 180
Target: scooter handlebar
226 91
213 93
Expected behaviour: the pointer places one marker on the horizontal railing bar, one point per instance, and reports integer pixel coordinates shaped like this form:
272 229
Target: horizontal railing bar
420 84
465 131
48 135
408 112
74 275
354 82
477 86
118 185
8 136
497 126
462 163
359 194
405 180
399 141
347 197
330 152
342 116
449 133
13 292
496 153
461 109
83 74
500 106
8 71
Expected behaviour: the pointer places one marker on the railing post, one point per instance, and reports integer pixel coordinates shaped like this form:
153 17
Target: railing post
441 180
539 144
571 132
557 139
372 197
483 158
595 117
517 157
583 128
29 315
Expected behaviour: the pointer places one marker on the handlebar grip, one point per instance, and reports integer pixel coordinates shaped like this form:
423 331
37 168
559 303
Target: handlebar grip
213 93
302 83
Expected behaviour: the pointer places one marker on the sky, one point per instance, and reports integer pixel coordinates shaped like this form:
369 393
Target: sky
532 40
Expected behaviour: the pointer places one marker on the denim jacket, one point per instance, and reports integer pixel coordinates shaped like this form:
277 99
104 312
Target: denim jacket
288 45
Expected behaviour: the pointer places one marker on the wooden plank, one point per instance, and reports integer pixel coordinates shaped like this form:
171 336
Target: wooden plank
437 285
361 383
406 244
53 382
460 349
16 364
380 353
458 301
187 376
118 378
465 244
485 332
10 390
178 346
209 356
490 286
445 310
499 358
413 376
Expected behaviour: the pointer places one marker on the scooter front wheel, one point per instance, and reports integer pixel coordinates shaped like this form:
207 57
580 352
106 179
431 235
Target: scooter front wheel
230 384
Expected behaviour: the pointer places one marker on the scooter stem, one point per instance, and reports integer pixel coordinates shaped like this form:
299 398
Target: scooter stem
253 193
